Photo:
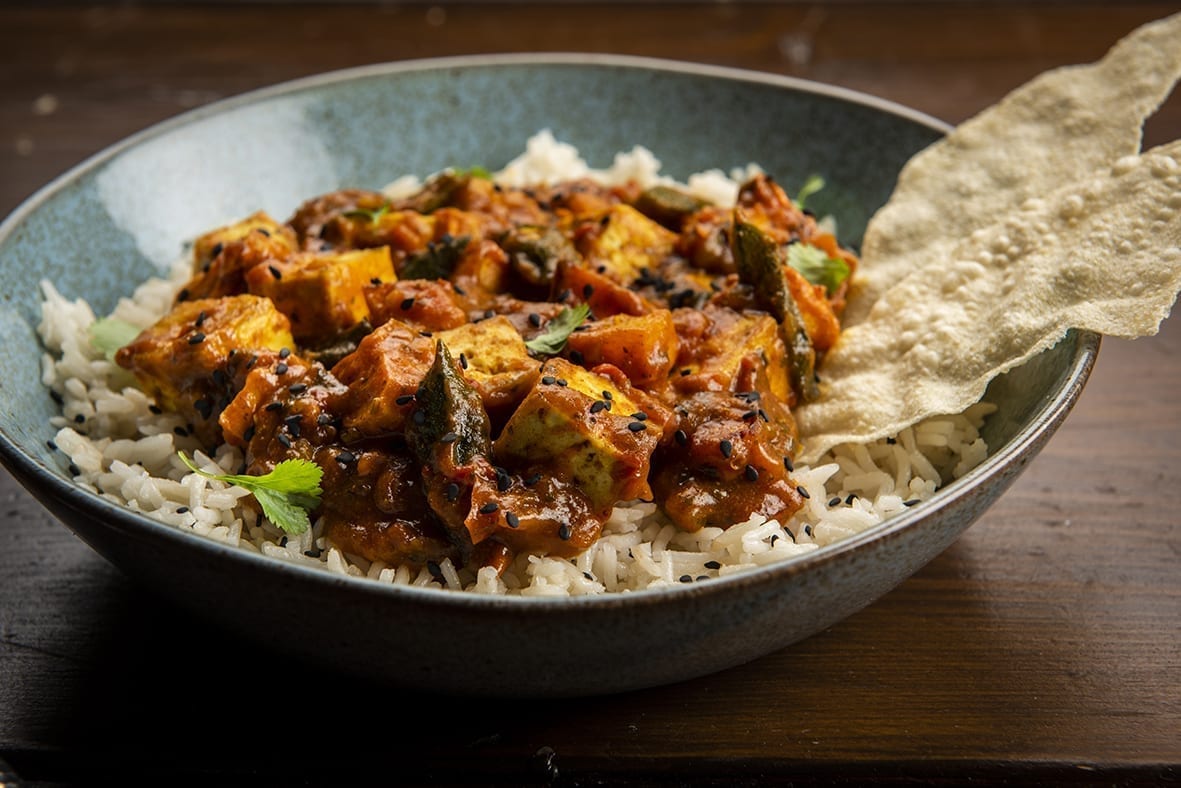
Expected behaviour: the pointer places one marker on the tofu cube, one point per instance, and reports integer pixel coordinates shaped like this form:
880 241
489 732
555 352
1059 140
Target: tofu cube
382 373
322 293
494 360
187 361
222 257
714 358
583 427
628 243
643 347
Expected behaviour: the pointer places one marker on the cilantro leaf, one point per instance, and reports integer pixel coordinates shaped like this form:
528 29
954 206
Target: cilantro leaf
557 331
365 213
475 172
286 494
813 184
108 334
817 267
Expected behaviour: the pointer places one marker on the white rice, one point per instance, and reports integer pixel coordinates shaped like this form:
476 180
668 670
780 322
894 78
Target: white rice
117 447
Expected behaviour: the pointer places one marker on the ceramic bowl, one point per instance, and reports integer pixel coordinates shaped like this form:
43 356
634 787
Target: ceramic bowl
121 216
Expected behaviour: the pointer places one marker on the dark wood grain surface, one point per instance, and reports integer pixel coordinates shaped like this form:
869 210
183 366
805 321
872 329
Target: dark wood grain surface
1044 646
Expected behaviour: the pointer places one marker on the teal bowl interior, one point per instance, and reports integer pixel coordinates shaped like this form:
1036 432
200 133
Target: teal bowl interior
126 214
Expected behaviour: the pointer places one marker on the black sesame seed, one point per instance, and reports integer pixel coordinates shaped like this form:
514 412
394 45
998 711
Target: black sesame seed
345 457
588 575
298 388
532 480
419 417
204 407
787 463
565 294
283 439
488 313
407 304
588 291
183 295
200 318
564 532
686 578
607 395
850 498
763 415
281 369
835 501
686 372
489 507
181 431
549 380
562 382
52 446
750 415
911 502
452 492
803 493
426 334
56 397
713 565
275 272
323 419
435 570
182 509
534 319
79 419
774 539
727 448
375 280
283 542
789 533
273 406
74 470
196 338
265 232
640 415
503 480
751 473
637 426
156 409
512 520
891 441
680 437
216 250
576 357
248 434
285 352
597 406
449 437
808 529
463 360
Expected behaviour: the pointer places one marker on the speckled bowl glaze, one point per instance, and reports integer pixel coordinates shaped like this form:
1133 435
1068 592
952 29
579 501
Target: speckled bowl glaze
124 214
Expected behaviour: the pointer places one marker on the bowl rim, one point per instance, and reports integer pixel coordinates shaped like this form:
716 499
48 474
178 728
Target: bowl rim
132 524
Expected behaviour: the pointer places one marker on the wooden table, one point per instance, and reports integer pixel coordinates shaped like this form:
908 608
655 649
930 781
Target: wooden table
1044 646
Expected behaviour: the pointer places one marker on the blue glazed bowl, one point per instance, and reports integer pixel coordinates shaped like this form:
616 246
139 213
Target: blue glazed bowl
124 215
